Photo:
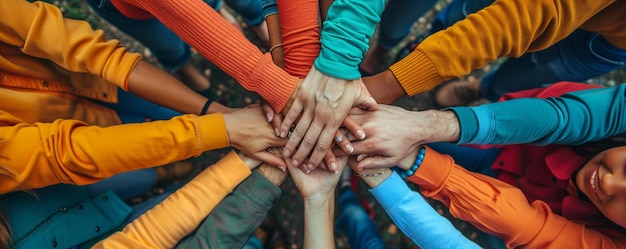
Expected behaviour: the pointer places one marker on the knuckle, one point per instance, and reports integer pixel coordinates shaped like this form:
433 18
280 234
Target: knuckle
308 142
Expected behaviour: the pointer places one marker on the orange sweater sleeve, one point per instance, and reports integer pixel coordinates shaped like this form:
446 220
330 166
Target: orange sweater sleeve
69 151
502 209
300 30
217 40
505 28
183 211
37 34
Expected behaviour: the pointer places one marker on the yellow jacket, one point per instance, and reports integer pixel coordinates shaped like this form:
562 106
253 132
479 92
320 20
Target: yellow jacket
506 28
51 67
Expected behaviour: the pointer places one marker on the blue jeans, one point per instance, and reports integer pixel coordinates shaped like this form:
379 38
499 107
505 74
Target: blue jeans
167 47
578 57
398 18
356 223
133 109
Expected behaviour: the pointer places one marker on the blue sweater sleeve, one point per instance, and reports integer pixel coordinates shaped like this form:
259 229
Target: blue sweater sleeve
345 36
416 218
574 118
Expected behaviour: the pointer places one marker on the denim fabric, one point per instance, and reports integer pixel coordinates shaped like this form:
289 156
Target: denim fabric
133 109
269 7
251 11
398 18
164 44
580 56
126 185
356 223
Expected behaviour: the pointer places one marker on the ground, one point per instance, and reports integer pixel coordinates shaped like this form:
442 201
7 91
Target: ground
286 216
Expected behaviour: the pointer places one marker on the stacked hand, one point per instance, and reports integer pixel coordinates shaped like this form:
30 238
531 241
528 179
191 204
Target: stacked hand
320 106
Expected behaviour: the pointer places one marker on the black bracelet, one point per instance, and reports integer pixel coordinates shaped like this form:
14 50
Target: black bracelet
206 106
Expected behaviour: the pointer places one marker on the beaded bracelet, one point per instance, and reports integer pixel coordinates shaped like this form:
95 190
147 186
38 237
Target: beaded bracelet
418 161
372 174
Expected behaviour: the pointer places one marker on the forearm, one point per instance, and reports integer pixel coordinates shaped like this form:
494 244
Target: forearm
345 36
574 118
319 214
299 27
466 45
157 86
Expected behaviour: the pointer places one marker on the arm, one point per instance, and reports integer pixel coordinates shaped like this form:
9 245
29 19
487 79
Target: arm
318 193
514 28
501 209
222 44
81 50
183 211
574 118
413 215
241 212
333 84
43 154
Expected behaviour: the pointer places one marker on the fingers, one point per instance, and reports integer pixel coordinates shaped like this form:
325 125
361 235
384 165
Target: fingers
331 162
275 119
292 115
315 142
272 159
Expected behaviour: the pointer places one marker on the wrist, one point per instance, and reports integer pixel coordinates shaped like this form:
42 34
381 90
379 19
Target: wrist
374 177
292 98
405 171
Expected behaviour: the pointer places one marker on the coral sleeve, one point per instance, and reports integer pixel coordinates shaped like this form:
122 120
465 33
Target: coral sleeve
299 26
217 40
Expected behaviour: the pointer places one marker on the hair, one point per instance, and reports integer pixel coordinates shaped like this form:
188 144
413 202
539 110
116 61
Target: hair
590 149
6 237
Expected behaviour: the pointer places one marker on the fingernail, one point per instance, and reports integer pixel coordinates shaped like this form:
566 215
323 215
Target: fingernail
336 172
295 162
310 166
349 148
276 132
283 134
269 116
360 157
361 134
333 166
339 138
286 153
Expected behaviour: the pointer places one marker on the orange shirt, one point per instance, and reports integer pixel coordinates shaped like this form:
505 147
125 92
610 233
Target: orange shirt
502 209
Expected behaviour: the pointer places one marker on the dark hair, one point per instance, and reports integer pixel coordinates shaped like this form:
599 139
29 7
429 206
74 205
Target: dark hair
590 149
5 232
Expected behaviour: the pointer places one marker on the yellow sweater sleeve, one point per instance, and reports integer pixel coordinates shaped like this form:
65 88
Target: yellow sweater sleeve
505 28
41 34
501 209
180 214
69 151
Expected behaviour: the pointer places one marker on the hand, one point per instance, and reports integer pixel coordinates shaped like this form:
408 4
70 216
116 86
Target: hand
318 183
394 132
250 133
321 104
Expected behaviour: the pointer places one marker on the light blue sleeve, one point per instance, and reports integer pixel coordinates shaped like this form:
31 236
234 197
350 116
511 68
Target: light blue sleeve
345 36
416 217
574 118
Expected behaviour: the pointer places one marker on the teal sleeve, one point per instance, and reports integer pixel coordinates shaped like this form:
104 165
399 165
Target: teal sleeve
345 36
574 118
